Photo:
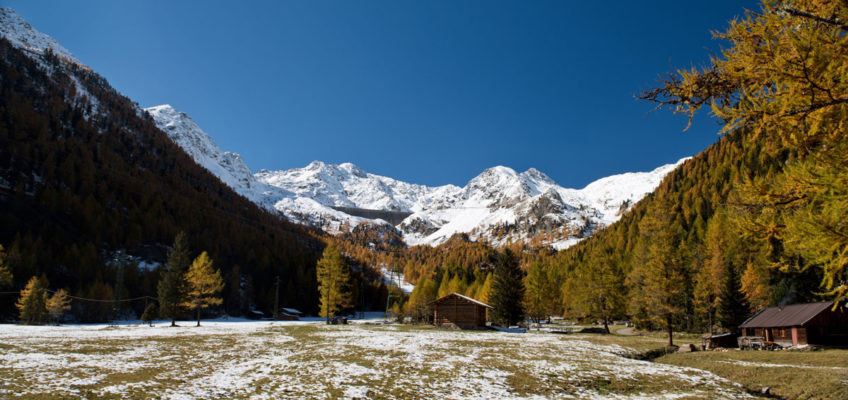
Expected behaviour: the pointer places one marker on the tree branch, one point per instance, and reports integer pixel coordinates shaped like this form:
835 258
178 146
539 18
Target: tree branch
803 14
814 107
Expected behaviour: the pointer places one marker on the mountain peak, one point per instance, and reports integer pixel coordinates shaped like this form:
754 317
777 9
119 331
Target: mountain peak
537 175
161 108
23 36
500 170
353 169
315 165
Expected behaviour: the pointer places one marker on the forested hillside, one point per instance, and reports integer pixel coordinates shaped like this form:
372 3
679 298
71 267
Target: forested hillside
86 178
758 219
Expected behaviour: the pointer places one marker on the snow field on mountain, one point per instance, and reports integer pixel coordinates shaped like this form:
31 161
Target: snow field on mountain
22 35
272 360
529 202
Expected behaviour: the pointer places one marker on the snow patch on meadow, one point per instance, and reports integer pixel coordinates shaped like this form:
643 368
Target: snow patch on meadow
264 359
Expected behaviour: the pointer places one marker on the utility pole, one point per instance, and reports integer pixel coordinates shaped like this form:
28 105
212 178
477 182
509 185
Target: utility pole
329 289
119 283
277 298
362 297
393 280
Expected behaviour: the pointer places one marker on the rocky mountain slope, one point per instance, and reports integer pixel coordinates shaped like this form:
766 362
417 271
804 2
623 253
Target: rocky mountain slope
498 205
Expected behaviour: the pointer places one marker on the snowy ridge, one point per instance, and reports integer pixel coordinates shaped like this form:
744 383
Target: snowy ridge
607 194
34 44
499 205
22 35
231 169
346 185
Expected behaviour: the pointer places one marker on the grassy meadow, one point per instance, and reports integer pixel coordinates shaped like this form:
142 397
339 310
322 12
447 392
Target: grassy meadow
265 360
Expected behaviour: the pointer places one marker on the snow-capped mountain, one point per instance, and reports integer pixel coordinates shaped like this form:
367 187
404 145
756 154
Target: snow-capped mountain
498 205
230 168
22 35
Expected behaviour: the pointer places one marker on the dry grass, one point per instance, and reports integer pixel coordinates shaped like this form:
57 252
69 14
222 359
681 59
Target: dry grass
792 374
263 360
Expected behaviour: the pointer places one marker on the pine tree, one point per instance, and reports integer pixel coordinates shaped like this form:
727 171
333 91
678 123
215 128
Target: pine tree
32 304
149 314
485 290
815 227
203 285
507 294
597 289
540 299
732 309
6 278
456 285
424 292
170 288
333 282
663 275
444 285
534 298
57 305
708 279
756 287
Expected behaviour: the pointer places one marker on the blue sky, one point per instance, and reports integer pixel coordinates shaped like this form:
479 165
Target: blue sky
429 92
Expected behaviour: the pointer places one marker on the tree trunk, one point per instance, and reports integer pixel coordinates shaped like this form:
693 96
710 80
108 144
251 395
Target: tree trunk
173 321
711 321
668 323
198 316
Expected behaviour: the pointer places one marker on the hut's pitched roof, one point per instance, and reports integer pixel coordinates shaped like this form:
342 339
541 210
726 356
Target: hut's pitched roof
462 297
792 315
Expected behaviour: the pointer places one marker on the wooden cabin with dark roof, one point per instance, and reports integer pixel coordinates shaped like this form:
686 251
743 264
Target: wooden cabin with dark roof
456 310
799 324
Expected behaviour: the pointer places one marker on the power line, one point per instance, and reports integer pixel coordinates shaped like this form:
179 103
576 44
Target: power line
94 300
106 301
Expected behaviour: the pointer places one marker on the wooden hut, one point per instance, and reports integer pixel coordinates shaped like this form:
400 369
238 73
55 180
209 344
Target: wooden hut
456 310
724 340
799 324
289 314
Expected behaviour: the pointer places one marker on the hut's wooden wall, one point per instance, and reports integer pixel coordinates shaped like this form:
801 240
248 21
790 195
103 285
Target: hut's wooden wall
455 311
829 328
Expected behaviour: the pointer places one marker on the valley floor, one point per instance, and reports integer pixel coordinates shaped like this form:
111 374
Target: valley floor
261 359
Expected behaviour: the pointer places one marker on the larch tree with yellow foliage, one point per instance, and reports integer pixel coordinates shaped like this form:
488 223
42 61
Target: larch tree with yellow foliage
333 282
658 284
32 303
784 78
5 275
539 299
203 285
597 290
57 305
